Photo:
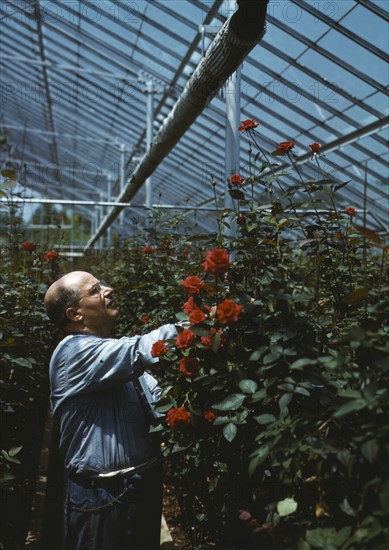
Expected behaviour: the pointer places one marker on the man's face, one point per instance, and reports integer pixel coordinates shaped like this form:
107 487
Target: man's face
96 305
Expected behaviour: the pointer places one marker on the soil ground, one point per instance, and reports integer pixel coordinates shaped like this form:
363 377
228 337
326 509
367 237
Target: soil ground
174 520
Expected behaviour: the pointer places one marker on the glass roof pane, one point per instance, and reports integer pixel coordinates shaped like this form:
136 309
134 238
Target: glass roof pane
335 74
379 101
95 53
355 55
318 90
370 27
283 41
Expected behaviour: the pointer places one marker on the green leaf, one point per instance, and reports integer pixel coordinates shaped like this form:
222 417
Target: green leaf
6 476
350 393
220 420
163 408
236 194
286 387
265 418
370 449
302 391
384 497
319 538
248 386
259 395
157 428
342 535
300 363
352 406
181 316
200 329
230 403
15 450
285 400
22 362
270 358
303 545
356 296
286 507
10 458
230 431
346 507
215 342
240 416
259 456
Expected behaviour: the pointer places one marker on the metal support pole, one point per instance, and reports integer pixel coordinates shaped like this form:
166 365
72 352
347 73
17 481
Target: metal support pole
71 216
109 196
121 177
232 148
98 216
92 222
232 163
149 135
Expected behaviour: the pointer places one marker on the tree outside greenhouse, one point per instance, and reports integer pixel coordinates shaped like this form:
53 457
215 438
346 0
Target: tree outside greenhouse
275 396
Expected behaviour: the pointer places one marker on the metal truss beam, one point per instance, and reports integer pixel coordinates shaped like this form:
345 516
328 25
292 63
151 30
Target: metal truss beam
223 57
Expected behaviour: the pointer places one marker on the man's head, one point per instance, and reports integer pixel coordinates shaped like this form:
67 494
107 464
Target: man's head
78 302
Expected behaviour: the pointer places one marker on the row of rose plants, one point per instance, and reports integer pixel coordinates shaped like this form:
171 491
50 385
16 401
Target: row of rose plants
26 342
275 395
275 389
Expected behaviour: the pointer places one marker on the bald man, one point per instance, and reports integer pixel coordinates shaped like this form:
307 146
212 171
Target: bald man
103 402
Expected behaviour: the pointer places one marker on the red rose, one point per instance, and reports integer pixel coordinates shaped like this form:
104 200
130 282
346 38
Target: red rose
210 416
350 211
217 261
207 340
244 515
228 311
159 349
190 366
179 418
285 146
148 250
27 245
144 319
185 339
236 179
51 256
241 220
189 306
196 316
315 147
193 285
247 125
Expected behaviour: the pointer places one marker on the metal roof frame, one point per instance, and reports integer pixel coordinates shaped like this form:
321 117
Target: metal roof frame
37 51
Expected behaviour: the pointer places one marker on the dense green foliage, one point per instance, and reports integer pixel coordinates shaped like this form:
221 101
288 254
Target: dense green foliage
294 453
282 439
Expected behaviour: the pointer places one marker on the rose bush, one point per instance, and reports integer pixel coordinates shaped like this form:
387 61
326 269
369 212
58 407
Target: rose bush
275 390
288 370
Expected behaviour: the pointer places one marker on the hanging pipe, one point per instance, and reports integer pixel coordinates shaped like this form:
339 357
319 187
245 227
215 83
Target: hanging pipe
238 36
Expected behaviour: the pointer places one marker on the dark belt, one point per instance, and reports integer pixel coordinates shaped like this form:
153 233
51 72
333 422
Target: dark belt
83 479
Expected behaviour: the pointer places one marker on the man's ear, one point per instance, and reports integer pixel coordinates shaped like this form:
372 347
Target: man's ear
73 314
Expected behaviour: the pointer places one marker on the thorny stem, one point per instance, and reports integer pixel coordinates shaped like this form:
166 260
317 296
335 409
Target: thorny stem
213 182
336 293
305 186
292 206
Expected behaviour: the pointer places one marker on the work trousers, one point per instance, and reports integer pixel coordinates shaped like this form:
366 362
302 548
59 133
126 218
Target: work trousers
115 514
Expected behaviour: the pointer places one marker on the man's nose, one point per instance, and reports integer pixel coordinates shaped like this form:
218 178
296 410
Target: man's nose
106 289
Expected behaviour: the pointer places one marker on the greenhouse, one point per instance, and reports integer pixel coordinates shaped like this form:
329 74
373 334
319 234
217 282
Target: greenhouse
194 284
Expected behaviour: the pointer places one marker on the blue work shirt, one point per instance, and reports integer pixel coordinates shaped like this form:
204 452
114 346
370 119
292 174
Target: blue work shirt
103 426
